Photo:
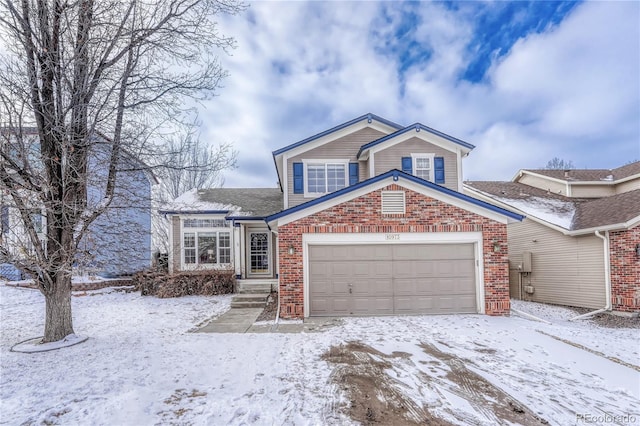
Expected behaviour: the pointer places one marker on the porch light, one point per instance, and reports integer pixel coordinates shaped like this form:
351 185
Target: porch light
496 246
292 249
638 249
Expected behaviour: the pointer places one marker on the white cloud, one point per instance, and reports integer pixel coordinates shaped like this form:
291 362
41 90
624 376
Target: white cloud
301 68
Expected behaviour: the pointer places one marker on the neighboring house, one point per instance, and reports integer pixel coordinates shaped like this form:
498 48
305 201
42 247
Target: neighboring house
369 219
580 243
117 243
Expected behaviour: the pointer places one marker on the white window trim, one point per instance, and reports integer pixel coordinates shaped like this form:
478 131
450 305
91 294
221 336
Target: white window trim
324 161
415 157
216 231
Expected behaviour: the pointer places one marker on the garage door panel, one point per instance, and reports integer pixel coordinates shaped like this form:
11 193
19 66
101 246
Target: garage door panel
373 287
392 279
372 306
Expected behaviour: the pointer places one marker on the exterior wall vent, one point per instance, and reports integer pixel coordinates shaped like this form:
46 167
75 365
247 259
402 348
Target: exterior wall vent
393 202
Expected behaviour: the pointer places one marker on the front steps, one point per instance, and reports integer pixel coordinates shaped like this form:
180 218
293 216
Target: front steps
252 293
254 300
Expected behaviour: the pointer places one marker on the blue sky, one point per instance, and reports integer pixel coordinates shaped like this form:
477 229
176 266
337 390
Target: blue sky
523 81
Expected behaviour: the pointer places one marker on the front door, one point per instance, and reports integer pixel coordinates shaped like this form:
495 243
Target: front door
259 254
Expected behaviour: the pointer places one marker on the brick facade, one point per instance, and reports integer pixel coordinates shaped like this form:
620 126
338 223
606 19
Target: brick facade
625 270
363 215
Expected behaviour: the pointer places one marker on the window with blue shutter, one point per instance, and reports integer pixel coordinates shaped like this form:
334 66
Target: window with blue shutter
353 173
407 165
438 169
298 178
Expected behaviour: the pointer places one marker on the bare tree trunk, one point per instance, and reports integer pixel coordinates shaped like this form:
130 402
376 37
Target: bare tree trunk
58 321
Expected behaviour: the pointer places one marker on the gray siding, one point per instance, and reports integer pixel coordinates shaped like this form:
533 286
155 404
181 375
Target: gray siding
175 250
592 191
391 158
628 186
544 184
346 147
565 270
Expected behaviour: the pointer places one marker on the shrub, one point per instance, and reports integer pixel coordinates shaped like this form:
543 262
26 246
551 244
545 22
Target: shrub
208 283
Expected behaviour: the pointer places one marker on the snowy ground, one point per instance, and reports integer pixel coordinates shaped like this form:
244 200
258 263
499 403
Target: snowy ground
141 366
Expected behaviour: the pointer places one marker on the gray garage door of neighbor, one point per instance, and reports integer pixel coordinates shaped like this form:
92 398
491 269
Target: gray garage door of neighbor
388 279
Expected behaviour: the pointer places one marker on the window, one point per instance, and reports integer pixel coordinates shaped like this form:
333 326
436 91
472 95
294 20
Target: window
323 178
423 166
205 223
189 248
207 248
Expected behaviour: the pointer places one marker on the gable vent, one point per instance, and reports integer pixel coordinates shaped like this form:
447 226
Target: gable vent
393 202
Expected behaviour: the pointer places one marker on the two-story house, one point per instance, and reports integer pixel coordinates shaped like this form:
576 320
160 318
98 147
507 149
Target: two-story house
580 243
369 219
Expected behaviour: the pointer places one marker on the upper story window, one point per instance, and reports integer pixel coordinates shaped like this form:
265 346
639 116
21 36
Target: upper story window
423 166
324 177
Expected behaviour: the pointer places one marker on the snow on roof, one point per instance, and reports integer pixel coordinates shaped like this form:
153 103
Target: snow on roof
191 201
556 212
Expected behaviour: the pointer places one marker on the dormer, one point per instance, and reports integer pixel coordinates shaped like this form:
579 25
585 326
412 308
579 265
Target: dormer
421 151
363 148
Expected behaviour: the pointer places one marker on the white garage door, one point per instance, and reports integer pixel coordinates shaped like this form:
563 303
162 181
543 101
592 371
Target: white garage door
386 279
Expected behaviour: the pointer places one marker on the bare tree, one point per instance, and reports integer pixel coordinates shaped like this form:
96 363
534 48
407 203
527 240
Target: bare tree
190 163
91 76
559 164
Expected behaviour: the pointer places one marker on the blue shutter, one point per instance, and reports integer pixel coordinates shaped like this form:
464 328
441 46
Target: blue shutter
407 165
353 173
438 169
298 178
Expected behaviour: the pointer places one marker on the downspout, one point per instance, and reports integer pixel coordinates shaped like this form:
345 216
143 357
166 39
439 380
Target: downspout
607 279
278 256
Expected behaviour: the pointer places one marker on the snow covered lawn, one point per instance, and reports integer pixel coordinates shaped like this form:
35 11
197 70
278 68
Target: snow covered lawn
142 366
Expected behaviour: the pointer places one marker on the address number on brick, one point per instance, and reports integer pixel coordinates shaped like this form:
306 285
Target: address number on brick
392 236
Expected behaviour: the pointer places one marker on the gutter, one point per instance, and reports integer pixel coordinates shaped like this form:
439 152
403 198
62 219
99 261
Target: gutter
607 279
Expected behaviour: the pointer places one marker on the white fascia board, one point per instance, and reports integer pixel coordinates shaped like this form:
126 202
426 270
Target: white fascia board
372 167
459 161
445 198
422 134
285 181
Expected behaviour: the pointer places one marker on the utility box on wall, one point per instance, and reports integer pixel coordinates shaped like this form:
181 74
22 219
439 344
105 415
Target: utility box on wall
525 266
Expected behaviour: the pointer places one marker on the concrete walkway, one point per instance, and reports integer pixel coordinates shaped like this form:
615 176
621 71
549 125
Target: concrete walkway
236 320
242 320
